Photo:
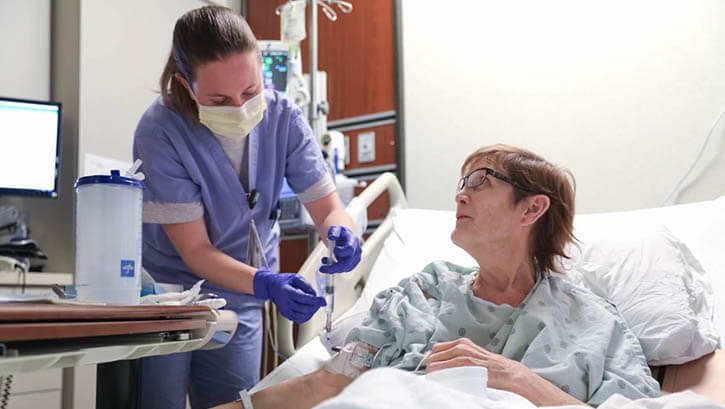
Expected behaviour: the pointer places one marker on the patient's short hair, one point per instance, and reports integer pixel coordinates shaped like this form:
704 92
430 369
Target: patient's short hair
555 229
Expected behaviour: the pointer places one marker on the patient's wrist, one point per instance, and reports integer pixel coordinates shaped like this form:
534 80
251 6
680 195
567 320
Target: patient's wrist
245 399
352 360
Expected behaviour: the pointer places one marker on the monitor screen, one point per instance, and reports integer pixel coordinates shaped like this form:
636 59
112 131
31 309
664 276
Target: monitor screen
29 141
274 69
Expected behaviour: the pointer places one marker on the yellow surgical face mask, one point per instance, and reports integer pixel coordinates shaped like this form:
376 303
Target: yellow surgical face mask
233 122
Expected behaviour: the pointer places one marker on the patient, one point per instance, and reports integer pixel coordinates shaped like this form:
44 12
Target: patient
538 334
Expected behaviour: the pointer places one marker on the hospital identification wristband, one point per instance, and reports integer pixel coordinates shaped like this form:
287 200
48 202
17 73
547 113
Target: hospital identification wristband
245 399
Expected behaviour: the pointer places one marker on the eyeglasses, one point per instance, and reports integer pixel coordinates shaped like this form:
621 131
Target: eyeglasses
478 176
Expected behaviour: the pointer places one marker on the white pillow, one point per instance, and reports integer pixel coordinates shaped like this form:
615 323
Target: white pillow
668 303
658 287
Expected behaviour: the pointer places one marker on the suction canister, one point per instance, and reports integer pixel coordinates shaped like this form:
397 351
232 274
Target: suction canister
108 238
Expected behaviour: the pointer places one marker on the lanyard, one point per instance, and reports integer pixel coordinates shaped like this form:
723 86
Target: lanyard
255 248
255 252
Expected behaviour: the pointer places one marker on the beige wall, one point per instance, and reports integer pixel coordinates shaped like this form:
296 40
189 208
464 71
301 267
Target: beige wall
124 46
622 92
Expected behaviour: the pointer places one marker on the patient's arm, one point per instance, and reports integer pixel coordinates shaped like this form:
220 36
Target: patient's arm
302 392
308 390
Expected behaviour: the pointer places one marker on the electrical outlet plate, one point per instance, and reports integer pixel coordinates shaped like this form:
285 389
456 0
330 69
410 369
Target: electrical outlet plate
347 150
366 147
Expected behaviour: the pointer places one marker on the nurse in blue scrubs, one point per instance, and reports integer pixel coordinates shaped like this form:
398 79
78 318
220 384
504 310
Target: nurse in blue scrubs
215 148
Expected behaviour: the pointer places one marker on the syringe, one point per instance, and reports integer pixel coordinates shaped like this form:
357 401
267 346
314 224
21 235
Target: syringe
329 289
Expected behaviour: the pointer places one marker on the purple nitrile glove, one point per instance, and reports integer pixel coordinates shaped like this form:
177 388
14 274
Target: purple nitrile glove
347 250
295 298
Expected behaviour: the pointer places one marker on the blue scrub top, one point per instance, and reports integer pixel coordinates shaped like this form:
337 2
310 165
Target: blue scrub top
184 163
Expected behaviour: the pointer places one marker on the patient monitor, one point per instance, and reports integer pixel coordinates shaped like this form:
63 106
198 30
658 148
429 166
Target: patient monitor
29 139
282 71
275 65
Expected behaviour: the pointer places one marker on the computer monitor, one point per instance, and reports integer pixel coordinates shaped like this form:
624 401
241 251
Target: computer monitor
29 142
275 57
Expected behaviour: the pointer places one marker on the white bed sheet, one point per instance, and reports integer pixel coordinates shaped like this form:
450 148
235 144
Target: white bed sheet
397 389
700 225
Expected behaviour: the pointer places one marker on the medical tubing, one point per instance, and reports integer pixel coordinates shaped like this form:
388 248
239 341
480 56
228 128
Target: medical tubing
274 344
697 159
273 340
261 251
420 363
264 346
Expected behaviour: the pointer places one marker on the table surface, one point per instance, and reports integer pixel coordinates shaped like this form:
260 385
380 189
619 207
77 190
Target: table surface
33 322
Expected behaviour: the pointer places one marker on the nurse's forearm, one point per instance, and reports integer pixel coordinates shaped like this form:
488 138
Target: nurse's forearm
221 269
191 241
338 217
328 211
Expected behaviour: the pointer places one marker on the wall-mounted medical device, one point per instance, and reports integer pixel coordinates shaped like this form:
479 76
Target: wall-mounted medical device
275 65
282 70
293 214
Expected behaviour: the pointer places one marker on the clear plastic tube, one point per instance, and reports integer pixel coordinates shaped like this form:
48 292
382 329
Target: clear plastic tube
329 290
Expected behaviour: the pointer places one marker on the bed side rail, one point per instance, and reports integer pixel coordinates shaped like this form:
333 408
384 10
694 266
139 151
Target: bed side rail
348 286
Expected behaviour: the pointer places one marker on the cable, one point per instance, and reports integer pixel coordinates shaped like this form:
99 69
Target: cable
265 350
273 340
697 159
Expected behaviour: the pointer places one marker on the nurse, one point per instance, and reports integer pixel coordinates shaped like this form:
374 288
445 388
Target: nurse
215 149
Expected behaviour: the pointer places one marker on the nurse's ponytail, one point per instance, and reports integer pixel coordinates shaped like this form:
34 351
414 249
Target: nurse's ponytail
202 35
174 94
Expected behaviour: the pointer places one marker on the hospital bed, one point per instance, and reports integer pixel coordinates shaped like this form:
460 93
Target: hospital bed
408 239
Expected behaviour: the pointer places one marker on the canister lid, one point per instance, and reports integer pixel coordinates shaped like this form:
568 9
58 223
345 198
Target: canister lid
114 178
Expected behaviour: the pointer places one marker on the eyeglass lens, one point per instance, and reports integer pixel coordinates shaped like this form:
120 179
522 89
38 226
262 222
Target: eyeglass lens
473 180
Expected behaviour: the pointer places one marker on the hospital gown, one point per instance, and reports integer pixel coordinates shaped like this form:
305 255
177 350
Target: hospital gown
564 333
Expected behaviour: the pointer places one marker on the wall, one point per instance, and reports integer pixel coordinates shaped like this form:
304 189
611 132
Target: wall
105 75
124 47
620 92
25 49
37 55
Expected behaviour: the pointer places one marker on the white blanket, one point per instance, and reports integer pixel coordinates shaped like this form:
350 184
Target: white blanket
390 388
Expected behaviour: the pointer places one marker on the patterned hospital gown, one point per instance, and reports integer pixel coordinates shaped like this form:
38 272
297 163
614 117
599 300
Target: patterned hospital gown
562 332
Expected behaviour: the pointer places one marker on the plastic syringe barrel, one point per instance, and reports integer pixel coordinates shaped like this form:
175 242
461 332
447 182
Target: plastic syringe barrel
330 288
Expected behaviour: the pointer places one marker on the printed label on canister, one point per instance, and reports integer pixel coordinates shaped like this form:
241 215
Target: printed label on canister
127 268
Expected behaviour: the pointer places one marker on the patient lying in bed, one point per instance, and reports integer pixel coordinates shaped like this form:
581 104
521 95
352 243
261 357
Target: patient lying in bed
538 335
561 332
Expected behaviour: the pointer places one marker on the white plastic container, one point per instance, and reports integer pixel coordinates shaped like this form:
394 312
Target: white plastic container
108 239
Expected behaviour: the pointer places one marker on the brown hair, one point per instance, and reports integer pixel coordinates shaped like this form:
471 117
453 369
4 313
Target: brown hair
202 35
555 229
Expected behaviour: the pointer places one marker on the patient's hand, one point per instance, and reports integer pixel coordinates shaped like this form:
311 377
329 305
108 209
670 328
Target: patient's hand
503 373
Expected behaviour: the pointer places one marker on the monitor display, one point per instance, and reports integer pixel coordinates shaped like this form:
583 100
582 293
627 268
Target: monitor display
274 69
29 142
